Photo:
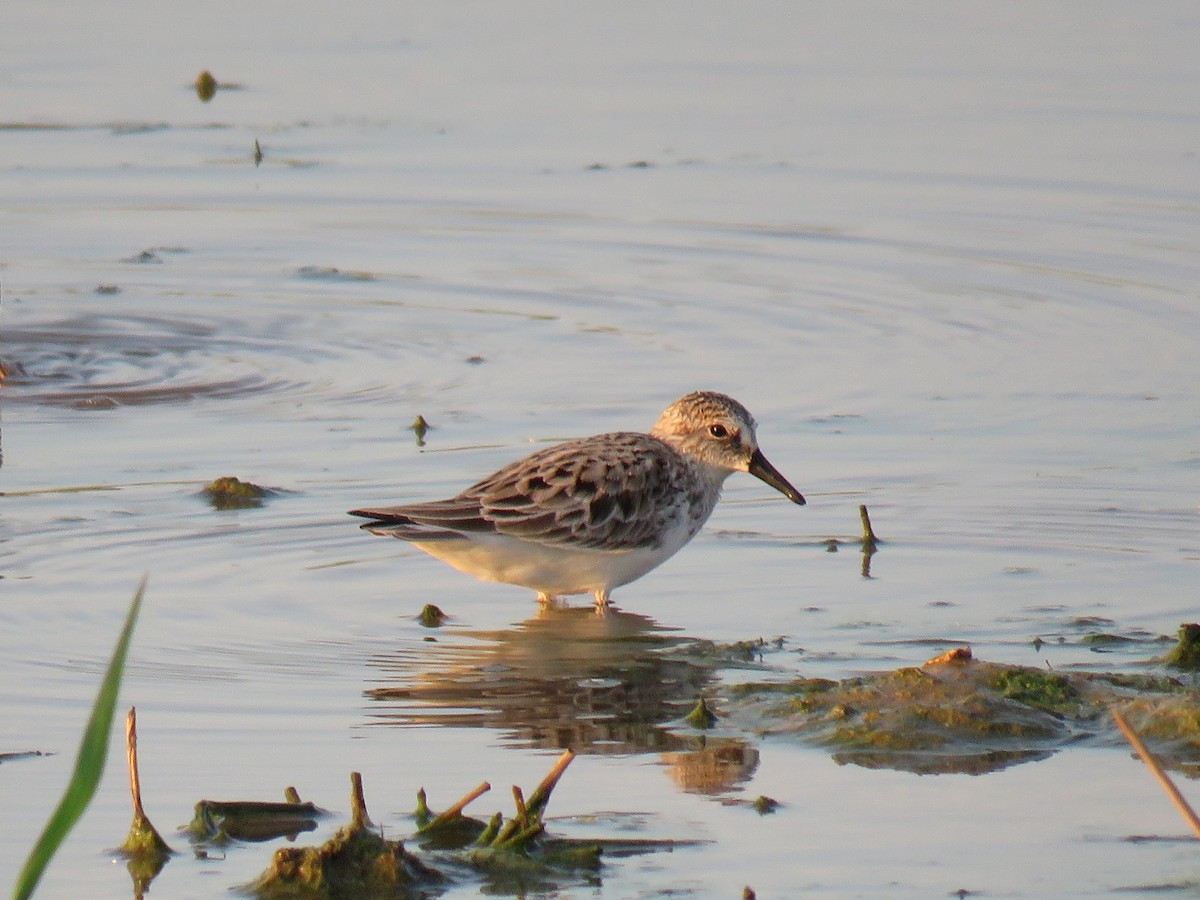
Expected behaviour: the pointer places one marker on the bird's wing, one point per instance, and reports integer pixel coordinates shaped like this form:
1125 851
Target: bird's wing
437 520
610 492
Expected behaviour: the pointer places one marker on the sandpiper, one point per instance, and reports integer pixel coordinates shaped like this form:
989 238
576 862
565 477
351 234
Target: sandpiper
592 514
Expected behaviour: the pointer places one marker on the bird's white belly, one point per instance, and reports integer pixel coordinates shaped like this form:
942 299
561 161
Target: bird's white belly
551 569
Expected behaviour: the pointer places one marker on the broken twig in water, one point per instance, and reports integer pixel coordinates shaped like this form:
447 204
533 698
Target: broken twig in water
455 811
1164 779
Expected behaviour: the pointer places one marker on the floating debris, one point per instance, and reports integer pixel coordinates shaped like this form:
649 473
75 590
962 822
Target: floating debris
144 258
108 290
258 154
152 256
229 492
332 273
218 821
22 754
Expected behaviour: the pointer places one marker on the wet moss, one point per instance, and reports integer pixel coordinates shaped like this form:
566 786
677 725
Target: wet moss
420 428
956 714
701 716
1033 687
801 686
1141 682
431 616
229 492
1102 639
764 805
1185 655
1175 720
356 862
206 86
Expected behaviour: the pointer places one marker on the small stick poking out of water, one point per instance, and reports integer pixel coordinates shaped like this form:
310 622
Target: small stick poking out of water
868 539
135 781
522 811
359 820
541 794
1164 779
870 543
143 838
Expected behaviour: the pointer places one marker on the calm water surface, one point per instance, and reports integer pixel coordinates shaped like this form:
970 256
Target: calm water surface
947 256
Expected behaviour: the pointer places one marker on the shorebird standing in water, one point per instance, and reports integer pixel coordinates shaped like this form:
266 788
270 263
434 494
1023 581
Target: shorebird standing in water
592 514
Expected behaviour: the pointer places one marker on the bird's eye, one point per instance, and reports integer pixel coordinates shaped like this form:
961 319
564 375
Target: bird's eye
719 431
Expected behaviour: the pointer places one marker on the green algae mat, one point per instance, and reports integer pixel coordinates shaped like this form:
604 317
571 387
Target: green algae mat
959 714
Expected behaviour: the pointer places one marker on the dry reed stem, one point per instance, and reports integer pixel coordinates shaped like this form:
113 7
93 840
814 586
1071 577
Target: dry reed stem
456 810
1163 778
135 783
522 811
540 793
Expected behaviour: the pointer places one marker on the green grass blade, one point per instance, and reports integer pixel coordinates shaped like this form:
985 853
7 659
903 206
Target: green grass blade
89 765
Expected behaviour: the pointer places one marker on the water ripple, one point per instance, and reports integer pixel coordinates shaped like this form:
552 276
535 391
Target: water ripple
102 361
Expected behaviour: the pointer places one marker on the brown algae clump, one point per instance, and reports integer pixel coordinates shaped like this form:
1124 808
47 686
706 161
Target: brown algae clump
233 493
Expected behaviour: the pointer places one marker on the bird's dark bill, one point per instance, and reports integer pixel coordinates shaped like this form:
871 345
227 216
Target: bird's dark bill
761 469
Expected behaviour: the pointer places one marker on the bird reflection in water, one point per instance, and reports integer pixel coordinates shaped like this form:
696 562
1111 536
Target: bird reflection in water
611 684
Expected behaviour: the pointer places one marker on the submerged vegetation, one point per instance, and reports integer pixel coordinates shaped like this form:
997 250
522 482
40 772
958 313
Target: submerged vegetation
357 861
959 714
952 714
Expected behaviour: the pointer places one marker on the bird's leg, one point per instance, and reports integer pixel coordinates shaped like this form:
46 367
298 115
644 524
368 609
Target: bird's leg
602 602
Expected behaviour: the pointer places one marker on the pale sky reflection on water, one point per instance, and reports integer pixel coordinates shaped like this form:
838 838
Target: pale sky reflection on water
945 255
